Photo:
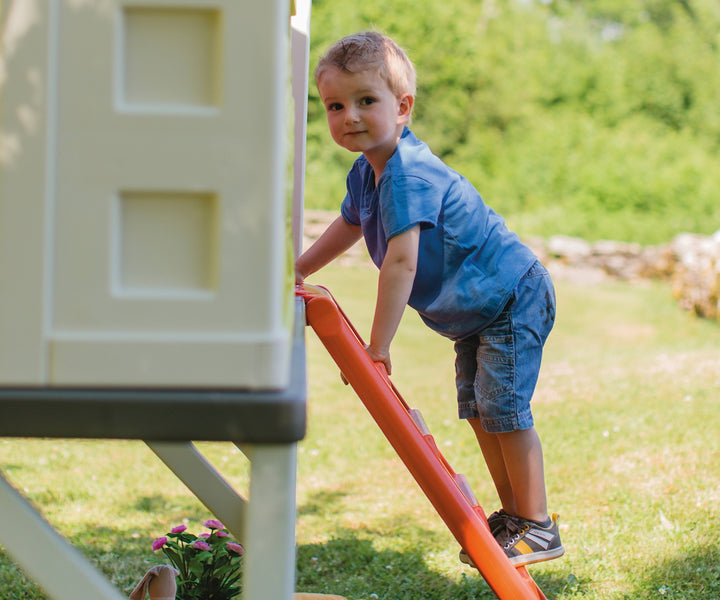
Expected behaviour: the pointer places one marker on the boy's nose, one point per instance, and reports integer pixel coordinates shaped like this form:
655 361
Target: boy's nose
352 115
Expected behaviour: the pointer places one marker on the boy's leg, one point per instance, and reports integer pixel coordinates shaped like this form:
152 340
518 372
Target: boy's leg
507 357
493 455
523 456
515 461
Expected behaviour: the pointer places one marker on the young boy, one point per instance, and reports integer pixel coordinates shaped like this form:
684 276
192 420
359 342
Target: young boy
444 252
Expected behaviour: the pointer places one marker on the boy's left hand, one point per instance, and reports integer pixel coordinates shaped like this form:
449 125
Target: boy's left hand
380 356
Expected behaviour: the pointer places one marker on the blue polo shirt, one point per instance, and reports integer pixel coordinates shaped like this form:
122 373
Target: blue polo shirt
469 263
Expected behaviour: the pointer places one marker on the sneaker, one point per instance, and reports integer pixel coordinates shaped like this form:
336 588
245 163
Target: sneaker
496 521
526 542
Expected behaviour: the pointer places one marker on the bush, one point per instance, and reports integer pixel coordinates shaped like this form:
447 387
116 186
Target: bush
588 118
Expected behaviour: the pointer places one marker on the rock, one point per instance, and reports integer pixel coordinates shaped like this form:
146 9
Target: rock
696 277
570 250
690 262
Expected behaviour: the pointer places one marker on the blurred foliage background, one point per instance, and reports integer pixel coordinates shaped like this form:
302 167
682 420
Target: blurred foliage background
593 118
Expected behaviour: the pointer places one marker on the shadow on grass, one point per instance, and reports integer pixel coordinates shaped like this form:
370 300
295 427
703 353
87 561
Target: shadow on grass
123 555
350 566
693 574
318 504
122 560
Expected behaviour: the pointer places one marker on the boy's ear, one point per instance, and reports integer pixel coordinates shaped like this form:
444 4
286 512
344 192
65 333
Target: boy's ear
406 105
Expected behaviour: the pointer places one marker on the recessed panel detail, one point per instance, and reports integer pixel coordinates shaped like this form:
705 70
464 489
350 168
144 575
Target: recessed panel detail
170 57
165 242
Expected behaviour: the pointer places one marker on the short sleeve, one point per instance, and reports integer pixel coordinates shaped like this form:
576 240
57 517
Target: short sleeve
350 207
349 212
407 201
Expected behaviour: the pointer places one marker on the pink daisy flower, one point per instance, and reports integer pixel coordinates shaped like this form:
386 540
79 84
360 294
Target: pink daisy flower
201 546
159 543
236 548
214 524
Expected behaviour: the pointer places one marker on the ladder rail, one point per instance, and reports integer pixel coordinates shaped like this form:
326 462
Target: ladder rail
418 451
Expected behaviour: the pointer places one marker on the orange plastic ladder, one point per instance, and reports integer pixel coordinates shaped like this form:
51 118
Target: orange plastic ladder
404 428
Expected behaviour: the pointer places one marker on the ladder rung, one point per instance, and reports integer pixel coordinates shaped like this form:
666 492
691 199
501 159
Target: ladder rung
462 482
419 421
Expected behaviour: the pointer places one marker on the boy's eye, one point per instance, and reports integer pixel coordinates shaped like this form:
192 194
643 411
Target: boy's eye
367 101
333 107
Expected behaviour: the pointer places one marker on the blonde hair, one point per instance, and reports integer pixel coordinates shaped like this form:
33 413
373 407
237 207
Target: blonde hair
371 50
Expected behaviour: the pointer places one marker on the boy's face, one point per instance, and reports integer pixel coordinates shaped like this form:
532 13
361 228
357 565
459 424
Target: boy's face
363 113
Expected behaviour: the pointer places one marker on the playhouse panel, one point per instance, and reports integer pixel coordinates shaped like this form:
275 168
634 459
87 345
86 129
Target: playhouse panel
24 137
164 252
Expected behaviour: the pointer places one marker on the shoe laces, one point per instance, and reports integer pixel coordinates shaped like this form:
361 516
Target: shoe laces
497 520
515 528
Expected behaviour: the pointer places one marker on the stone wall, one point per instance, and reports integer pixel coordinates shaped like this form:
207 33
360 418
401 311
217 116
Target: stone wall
690 262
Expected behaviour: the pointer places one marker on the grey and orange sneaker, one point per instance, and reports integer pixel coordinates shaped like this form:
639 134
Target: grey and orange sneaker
527 542
496 522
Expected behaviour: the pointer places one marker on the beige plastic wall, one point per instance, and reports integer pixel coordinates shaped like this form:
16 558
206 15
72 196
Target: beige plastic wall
143 193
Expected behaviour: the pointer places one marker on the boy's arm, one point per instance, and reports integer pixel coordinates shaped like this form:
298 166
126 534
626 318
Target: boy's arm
337 238
397 275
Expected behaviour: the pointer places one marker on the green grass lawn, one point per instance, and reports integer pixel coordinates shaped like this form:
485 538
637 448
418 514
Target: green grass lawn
627 407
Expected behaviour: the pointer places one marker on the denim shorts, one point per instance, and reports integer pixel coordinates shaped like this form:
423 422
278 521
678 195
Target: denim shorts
497 368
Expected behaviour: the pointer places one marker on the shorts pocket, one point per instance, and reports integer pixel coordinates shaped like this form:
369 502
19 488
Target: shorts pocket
495 359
